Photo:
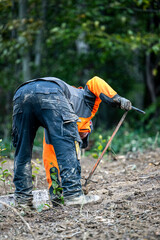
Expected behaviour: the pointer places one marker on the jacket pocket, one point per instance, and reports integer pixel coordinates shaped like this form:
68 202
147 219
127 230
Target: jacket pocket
69 117
47 98
48 104
69 126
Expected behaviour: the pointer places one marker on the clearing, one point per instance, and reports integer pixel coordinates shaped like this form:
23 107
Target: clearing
129 207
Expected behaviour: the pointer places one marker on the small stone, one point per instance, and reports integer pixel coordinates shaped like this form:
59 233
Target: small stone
129 198
22 213
110 193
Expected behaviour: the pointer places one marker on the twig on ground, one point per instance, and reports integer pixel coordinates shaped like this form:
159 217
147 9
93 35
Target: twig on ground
34 163
81 208
71 235
24 221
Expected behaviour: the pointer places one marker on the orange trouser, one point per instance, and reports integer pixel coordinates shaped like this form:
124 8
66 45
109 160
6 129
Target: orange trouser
49 159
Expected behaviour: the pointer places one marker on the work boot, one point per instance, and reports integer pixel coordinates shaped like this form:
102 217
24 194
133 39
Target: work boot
81 200
25 206
24 203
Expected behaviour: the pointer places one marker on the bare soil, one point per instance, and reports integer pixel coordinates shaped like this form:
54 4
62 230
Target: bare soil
129 208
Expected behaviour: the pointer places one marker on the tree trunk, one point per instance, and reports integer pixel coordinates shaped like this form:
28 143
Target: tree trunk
24 52
40 36
149 79
38 49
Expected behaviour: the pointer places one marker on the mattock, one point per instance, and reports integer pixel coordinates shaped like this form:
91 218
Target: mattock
106 147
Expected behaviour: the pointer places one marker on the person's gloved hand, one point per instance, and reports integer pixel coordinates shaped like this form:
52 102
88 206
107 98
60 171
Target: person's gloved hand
83 134
122 102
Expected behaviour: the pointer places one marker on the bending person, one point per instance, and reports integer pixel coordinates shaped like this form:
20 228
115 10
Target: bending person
64 112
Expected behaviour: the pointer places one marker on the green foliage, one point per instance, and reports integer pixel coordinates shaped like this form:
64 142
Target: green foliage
57 190
38 143
106 38
137 137
152 116
4 172
99 145
2 149
35 169
40 208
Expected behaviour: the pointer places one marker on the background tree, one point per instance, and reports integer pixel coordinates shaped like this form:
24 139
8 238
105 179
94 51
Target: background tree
75 40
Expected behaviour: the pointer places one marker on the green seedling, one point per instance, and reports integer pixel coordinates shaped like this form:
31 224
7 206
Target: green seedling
100 144
57 190
35 171
41 207
4 173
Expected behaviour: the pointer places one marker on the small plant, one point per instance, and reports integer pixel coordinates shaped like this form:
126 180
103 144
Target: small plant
41 207
101 143
99 146
35 171
57 190
4 173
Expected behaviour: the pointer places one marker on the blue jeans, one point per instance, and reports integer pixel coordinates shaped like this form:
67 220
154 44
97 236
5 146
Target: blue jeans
43 103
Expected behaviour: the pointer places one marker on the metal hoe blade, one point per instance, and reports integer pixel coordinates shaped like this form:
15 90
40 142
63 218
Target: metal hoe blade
138 110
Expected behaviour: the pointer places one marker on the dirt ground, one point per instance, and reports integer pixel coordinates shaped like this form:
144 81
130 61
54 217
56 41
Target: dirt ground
129 207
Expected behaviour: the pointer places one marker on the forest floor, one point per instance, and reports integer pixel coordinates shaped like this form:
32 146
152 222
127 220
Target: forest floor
129 207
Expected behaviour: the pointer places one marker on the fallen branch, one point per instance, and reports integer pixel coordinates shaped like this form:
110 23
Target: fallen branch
15 211
71 235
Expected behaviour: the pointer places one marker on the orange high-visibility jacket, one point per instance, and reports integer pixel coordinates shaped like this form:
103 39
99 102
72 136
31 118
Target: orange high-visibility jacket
85 103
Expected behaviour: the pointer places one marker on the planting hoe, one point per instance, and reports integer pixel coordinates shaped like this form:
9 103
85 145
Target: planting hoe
107 145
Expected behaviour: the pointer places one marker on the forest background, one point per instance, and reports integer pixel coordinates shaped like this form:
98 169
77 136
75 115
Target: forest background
118 41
